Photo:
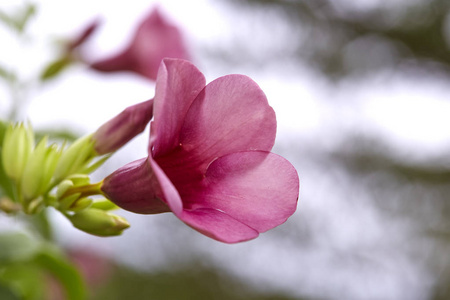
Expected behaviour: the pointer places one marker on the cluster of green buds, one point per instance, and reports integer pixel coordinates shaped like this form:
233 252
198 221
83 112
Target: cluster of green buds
51 175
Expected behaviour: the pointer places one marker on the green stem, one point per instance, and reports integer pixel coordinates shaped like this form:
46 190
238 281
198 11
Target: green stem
85 190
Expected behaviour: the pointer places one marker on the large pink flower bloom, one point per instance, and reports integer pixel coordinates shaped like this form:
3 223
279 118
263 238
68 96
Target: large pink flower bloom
209 158
154 40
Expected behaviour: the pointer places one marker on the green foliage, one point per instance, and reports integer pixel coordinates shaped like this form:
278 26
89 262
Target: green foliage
26 264
413 31
7 294
55 68
19 20
16 247
190 282
7 75
26 280
54 262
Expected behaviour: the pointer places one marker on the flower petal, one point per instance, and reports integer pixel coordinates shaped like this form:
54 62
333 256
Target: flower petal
218 225
142 187
177 85
231 114
257 188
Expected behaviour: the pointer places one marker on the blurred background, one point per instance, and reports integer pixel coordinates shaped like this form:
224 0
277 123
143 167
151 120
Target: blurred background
361 93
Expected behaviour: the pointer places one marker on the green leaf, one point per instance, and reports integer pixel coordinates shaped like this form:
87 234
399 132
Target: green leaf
41 225
6 293
7 20
16 247
7 75
53 261
19 20
55 68
25 280
22 20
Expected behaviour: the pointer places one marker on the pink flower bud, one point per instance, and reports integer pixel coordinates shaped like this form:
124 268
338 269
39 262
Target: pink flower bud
122 128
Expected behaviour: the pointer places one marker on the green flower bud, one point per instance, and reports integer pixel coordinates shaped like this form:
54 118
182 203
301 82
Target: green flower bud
79 179
17 146
67 202
81 204
98 222
104 204
38 172
75 158
63 187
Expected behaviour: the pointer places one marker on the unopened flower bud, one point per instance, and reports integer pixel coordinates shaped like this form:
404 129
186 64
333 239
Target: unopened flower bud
81 204
98 222
75 158
104 204
122 128
18 143
39 170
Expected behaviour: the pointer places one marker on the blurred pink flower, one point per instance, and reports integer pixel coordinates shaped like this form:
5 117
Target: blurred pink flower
154 40
209 158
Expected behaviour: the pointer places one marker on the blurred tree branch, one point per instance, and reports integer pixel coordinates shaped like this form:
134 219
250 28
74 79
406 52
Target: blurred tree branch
414 31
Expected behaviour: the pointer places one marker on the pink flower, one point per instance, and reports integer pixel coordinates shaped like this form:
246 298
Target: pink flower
154 40
209 158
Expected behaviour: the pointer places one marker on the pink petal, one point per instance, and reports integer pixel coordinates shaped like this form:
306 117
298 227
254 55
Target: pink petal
231 114
142 187
259 189
218 225
177 85
169 193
